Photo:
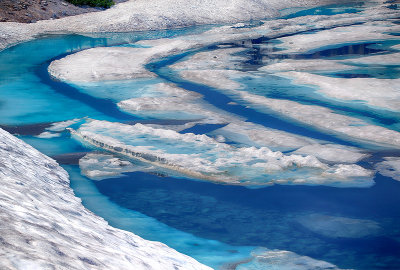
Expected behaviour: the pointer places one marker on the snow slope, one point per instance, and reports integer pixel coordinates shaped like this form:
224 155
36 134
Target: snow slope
43 225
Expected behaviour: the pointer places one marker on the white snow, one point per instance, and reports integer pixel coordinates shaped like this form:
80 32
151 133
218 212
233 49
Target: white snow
305 65
368 32
324 118
44 226
332 153
383 93
202 157
339 227
389 167
57 127
102 166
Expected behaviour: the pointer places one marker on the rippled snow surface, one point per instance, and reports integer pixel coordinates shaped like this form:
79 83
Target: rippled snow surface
253 146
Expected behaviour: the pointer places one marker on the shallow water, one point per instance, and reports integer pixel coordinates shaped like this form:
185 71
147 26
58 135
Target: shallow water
216 224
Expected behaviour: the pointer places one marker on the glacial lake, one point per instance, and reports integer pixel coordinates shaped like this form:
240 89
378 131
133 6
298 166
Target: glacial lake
217 224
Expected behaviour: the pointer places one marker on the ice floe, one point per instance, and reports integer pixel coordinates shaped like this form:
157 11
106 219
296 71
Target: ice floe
332 152
45 226
101 166
339 227
201 157
383 93
250 134
55 129
389 167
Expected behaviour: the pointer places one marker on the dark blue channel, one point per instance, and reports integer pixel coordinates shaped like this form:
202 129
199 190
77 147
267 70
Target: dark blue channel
264 217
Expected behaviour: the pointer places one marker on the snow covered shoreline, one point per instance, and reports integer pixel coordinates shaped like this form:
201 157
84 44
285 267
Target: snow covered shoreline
138 15
50 227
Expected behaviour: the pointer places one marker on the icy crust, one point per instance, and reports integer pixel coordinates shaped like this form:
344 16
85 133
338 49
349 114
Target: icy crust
282 260
201 157
380 59
171 102
339 227
250 134
332 153
324 118
56 128
138 15
317 116
305 65
368 32
383 93
115 59
389 167
102 64
101 166
44 226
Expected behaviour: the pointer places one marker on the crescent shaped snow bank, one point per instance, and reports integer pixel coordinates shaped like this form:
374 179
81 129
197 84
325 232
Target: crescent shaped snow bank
44 226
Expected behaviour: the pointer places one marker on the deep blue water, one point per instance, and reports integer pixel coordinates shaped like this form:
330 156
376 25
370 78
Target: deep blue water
236 217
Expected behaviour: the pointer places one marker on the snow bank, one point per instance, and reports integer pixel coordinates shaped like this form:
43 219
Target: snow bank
102 64
367 32
201 157
305 65
383 93
332 152
44 226
324 118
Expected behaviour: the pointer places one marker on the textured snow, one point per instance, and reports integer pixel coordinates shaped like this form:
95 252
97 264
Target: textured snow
317 116
381 59
101 166
339 227
389 167
325 118
113 63
202 157
368 32
139 15
102 64
256 135
305 65
332 153
44 226
172 102
57 127
360 89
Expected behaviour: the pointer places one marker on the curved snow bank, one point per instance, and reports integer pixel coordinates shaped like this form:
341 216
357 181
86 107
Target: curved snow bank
367 32
202 157
102 64
383 93
45 226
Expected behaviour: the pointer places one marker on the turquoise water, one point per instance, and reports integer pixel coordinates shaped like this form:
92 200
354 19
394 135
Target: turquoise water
216 224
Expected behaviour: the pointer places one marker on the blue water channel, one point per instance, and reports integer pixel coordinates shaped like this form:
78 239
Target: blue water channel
216 224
